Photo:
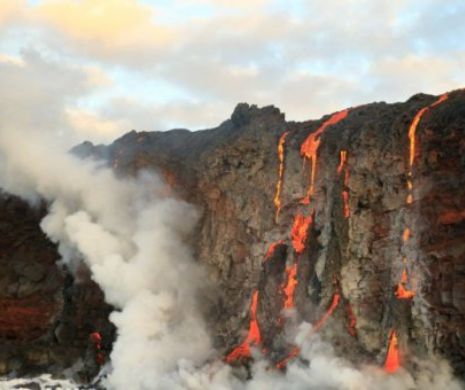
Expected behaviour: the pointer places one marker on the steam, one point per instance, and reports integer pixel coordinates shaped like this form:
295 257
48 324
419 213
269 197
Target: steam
132 238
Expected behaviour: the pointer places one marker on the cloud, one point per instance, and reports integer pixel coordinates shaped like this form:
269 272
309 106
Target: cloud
106 27
10 10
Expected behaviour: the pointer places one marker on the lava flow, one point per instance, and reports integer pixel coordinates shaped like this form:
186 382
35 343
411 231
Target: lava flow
392 363
345 193
295 351
352 328
309 149
253 337
272 248
412 138
290 286
279 184
299 232
332 307
402 292
96 339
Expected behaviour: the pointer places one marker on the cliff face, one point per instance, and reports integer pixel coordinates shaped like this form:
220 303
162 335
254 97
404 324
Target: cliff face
369 241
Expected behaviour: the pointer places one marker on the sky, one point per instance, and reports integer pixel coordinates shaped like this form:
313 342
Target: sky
95 69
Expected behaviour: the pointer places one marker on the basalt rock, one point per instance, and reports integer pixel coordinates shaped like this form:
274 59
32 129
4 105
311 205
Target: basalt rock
356 248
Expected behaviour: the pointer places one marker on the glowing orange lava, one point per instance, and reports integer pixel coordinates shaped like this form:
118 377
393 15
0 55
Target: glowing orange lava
332 307
253 337
290 286
392 363
96 339
272 248
352 329
406 235
412 138
342 161
279 184
299 232
309 149
295 351
402 292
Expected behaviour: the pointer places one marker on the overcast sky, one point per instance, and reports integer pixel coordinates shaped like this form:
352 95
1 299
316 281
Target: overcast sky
94 69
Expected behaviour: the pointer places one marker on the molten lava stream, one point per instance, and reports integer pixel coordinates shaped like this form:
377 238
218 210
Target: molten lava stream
279 184
412 139
290 286
299 232
272 248
295 351
352 328
392 363
253 337
309 149
332 307
402 292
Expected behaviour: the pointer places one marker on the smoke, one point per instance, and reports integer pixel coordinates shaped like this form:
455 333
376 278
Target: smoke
132 238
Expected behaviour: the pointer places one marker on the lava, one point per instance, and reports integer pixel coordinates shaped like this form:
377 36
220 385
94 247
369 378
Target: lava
309 149
342 161
253 336
402 292
392 363
412 139
279 184
352 328
316 327
406 235
299 232
272 248
295 351
290 286
96 339
332 307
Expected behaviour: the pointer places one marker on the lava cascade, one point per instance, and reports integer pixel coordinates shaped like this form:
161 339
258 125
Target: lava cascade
345 192
279 184
309 149
412 141
290 286
334 303
253 336
96 339
272 248
392 363
299 232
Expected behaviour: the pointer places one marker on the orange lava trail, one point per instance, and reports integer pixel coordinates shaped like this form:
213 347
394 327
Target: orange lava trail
309 149
402 292
279 184
295 351
345 193
290 286
253 337
342 161
392 363
96 338
332 307
272 248
412 138
352 329
299 232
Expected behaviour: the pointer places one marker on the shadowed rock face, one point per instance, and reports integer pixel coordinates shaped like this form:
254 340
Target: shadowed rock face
231 172
46 315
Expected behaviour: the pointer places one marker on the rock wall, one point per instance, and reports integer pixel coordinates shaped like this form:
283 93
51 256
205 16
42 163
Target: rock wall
374 223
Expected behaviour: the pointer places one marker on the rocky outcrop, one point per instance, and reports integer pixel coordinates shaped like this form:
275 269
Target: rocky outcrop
46 314
375 223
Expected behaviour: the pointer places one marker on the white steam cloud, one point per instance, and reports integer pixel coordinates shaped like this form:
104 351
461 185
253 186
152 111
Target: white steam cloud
131 236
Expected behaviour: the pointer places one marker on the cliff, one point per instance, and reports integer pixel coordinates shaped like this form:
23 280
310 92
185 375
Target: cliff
354 222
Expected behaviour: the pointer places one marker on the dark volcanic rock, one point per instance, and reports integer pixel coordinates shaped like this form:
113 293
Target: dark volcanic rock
45 315
350 265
